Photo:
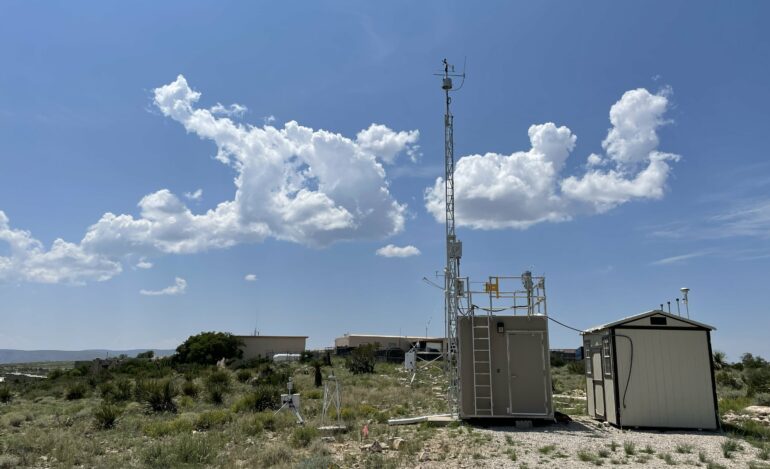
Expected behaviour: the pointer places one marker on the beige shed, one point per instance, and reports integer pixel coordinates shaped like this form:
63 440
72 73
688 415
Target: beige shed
504 367
265 346
651 370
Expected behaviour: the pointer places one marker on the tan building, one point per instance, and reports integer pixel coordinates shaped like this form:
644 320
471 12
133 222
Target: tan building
265 346
402 342
651 370
504 367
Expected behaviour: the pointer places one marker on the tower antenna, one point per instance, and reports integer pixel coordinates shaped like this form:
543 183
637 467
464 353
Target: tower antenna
453 284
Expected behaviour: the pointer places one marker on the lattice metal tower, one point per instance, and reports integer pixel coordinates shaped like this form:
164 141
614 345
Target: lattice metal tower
453 286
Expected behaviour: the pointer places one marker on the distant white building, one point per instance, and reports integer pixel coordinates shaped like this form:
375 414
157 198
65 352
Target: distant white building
265 346
403 342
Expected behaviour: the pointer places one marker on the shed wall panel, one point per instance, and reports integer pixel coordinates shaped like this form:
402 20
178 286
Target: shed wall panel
670 378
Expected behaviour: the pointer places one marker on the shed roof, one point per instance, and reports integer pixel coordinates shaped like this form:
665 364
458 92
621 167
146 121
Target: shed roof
648 313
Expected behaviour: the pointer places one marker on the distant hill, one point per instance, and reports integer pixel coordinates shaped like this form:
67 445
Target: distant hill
27 356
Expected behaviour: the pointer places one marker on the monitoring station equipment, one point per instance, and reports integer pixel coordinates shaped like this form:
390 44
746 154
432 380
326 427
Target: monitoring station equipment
497 357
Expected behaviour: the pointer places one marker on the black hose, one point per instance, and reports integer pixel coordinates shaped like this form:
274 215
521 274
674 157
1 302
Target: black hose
630 366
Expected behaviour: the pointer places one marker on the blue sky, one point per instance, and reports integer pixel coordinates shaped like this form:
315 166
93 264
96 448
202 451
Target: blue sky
94 118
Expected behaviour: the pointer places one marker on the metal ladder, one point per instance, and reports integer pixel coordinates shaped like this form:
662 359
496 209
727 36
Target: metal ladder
481 334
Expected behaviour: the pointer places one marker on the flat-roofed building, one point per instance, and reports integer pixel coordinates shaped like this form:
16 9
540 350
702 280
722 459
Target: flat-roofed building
265 346
403 342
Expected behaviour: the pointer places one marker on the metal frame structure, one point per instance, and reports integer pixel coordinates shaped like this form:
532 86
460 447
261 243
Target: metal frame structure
521 294
528 293
453 284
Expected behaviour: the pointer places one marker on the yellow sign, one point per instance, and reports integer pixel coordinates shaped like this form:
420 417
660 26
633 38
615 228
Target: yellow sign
490 287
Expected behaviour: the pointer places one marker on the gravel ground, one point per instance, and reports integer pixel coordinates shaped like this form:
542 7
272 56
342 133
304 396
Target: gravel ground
493 446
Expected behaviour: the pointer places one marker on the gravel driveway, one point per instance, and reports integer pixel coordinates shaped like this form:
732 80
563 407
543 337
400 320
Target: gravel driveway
581 443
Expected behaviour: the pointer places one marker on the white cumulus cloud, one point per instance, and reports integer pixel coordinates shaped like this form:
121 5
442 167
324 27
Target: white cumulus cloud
524 188
233 110
197 195
309 186
387 144
144 264
398 251
63 262
250 277
178 288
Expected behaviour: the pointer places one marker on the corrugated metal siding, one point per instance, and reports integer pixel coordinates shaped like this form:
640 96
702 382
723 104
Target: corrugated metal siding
670 382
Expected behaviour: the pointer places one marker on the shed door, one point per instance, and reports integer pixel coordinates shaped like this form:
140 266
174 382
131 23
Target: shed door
526 368
598 381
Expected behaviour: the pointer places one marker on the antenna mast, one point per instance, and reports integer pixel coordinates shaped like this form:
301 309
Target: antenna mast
453 285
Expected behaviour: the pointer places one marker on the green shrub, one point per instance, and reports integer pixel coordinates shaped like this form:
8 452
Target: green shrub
629 447
251 425
194 449
106 415
188 449
5 394
729 447
217 385
261 398
207 348
212 419
684 448
161 428
720 360
750 361
577 367
76 391
735 404
14 419
757 380
243 375
728 379
8 461
362 359
107 389
586 456
157 394
315 461
123 389
302 436
273 375
762 398
190 389
274 455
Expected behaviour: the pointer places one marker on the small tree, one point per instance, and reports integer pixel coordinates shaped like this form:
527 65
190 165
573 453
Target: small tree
361 359
720 360
207 348
147 354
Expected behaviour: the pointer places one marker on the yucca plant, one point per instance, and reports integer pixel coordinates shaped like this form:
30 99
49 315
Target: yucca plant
106 415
